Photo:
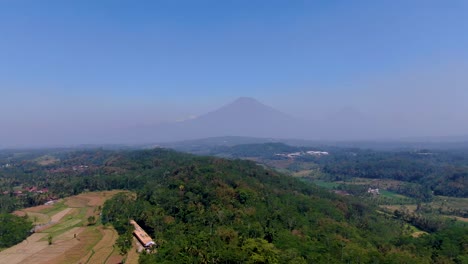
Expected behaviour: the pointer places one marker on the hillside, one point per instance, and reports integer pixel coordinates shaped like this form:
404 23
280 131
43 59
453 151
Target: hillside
68 230
430 171
213 210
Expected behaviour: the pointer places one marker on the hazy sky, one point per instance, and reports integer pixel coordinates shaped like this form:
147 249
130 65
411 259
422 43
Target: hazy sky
70 68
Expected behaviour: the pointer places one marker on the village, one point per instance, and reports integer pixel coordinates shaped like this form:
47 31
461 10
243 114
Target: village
303 153
26 190
7 165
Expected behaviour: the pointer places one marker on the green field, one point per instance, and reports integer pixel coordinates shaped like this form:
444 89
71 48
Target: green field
327 185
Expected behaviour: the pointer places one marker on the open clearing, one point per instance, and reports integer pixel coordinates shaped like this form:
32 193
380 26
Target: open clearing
447 206
73 240
46 160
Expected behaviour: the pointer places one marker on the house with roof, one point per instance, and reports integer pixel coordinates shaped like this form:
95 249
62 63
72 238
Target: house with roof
142 236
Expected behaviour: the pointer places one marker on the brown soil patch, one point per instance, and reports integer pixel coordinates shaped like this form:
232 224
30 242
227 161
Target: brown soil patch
19 213
418 234
96 199
459 218
38 209
25 249
36 218
76 201
105 247
36 249
90 199
117 260
46 162
90 212
78 247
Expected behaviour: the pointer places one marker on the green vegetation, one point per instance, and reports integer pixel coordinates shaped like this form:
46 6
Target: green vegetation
13 229
424 172
219 211
91 220
213 210
328 185
75 219
57 207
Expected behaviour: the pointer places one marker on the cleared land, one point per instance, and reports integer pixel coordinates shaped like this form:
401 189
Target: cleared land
46 160
73 239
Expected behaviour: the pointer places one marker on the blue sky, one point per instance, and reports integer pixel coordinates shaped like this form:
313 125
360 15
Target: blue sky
147 61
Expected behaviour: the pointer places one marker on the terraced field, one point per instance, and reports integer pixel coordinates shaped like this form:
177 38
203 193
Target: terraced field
74 240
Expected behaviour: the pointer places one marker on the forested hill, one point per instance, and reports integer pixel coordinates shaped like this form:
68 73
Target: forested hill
438 172
212 210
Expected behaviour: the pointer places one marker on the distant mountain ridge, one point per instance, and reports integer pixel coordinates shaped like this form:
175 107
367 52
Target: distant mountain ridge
205 146
245 117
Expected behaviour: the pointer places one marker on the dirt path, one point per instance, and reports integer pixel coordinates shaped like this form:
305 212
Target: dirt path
58 216
53 220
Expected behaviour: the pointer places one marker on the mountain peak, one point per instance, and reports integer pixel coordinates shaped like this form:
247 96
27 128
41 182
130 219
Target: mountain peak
246 100
244 116
248 106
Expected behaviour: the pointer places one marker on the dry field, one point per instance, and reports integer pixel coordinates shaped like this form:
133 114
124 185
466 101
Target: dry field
73 240
36 218
40 208
105 247
46 160
463 219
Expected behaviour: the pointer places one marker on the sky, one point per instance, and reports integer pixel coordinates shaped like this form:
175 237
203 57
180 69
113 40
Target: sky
69 68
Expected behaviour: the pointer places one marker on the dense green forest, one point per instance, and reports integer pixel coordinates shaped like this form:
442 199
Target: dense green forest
214 210
431 172
13 229
210 210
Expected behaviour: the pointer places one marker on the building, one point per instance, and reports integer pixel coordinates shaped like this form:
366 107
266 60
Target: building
141 235
317 153
373 191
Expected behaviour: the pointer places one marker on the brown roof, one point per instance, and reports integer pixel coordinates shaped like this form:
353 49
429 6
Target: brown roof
141 235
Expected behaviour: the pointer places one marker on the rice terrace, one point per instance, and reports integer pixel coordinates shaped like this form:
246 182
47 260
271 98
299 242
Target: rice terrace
72 226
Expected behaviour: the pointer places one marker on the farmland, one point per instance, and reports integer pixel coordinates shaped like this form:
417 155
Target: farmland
73 238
